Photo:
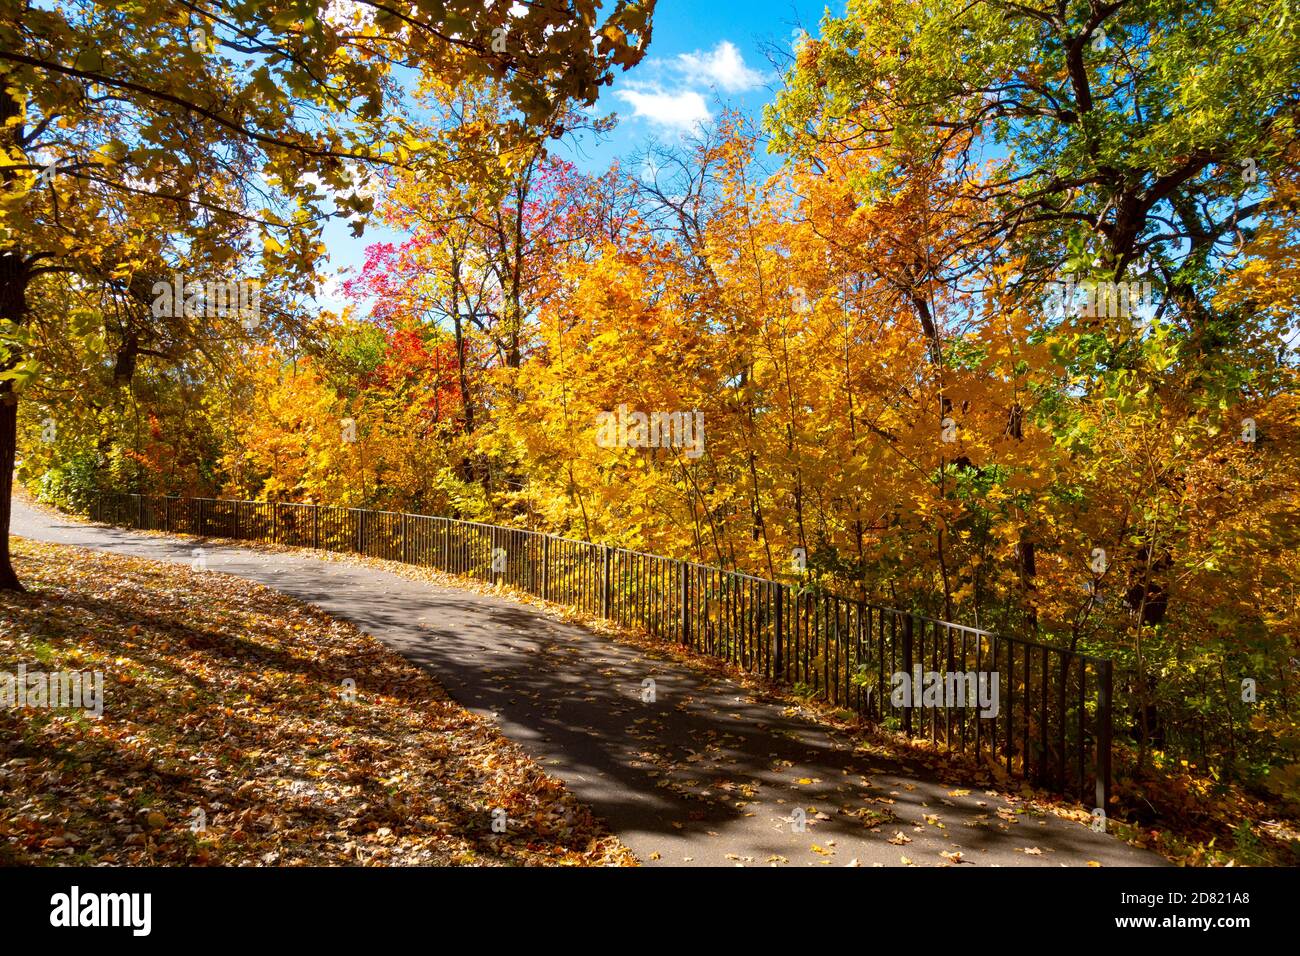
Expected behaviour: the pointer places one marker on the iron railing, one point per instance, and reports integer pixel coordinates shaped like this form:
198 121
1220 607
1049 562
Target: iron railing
1051 723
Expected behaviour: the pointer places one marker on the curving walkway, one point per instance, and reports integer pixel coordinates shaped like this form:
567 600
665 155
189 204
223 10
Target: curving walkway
705 775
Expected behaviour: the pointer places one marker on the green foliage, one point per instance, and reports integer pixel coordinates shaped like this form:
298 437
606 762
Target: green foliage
74 485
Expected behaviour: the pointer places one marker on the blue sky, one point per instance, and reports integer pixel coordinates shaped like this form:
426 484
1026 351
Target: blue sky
704 57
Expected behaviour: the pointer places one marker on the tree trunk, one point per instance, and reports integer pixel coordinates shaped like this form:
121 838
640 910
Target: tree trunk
15 271
8 446
13 306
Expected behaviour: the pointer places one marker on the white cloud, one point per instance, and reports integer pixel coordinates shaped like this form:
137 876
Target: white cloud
679 111
723 66
671 93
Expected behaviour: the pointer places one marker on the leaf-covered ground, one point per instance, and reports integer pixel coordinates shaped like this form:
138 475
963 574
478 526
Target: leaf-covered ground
230 736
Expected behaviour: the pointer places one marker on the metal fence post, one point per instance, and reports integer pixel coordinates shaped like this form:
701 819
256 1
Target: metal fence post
546 568
315 527
605 583
686 602
907 666
530 566
778 665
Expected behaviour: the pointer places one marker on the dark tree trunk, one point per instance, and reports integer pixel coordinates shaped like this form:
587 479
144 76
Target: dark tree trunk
14 273
1026 560
8 444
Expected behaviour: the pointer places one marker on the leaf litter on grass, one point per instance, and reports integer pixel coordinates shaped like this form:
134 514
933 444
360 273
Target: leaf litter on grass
242 727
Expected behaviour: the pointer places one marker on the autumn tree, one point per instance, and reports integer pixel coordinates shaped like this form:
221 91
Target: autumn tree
1121 142
205 120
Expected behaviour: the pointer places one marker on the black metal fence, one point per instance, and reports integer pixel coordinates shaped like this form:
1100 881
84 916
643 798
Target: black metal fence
1040 712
